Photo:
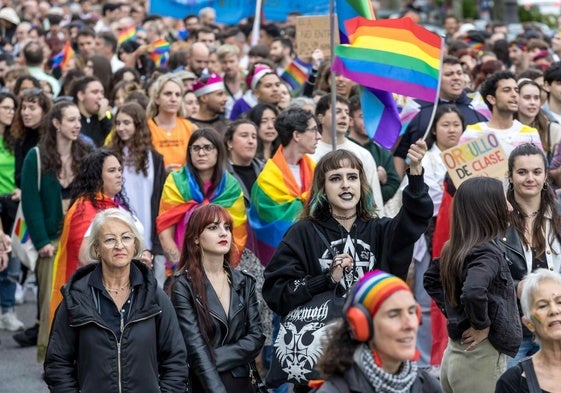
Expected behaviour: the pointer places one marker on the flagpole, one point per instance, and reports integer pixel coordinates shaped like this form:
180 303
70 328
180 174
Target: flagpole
435 105
256 23
333 84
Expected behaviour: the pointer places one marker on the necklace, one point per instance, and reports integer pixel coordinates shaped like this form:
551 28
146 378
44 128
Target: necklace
529 215
116 291
344 217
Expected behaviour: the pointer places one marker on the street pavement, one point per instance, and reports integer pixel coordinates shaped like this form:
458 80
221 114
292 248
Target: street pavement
19 370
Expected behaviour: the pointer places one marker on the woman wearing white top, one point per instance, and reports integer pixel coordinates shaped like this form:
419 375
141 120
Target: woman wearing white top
144 176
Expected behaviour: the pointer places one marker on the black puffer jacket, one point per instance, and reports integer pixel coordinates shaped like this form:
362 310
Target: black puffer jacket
238 338
84 354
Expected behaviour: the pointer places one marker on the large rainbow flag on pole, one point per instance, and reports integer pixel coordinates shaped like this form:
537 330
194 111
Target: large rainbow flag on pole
381 117
394 55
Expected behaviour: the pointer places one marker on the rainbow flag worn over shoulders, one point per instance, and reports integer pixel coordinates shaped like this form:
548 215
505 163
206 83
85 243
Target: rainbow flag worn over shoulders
395 55
276 202
160 52
181 194
296 73
127 34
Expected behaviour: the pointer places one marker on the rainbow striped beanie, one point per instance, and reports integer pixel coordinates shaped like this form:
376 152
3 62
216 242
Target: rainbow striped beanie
375 287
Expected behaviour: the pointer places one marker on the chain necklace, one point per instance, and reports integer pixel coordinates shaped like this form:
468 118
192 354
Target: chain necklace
116 291
344 217
529 215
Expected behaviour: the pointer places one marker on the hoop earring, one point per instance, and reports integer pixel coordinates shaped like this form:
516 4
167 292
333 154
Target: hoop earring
545 186
510 186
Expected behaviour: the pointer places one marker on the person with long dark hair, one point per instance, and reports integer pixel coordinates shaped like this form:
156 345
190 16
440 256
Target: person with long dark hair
532 240
202 180
60 152
216 306
98 186
473 287
341 208
144 175
264 116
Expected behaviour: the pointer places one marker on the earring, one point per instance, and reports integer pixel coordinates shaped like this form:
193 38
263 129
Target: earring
530 325
510 186
545 186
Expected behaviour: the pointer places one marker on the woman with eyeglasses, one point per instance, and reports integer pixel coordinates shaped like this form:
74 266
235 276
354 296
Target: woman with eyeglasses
115 330
144 175
166 120
202 180
60 153
98 186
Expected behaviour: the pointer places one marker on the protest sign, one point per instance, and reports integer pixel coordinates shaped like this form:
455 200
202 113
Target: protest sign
483 156
313 32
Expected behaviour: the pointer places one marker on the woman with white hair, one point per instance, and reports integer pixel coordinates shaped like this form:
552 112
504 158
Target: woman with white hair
115 329
541 308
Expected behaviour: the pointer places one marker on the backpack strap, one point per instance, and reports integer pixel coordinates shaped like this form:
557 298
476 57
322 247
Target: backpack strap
325 241
531 378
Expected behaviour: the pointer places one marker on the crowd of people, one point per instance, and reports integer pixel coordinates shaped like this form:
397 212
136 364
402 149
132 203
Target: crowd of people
182 191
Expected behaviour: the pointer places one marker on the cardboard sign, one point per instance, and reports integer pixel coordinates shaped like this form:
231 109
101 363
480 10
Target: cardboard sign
483 156
313 32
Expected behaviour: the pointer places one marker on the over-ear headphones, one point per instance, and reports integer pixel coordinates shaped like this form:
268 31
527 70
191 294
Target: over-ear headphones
360 321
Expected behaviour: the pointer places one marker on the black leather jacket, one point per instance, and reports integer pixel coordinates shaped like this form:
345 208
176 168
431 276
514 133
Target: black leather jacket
85 355
238 338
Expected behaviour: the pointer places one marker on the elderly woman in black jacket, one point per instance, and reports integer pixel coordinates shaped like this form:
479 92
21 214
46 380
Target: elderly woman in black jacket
115 330
216 306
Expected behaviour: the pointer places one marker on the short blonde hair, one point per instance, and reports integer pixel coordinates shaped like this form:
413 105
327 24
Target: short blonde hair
227 50
102 218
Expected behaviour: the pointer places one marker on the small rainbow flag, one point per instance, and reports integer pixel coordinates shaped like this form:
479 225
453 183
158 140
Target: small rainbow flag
475 45
296 73
395 55
127 34
21 231
160 52
61 58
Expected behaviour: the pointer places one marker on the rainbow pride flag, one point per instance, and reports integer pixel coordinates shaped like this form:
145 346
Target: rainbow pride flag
395 55
276 202
21 231
61 58
160 52
381 119
127 34
296 73
181 194
349 9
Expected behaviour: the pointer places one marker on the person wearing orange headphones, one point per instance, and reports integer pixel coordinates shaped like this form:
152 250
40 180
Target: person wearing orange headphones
372 348
473 287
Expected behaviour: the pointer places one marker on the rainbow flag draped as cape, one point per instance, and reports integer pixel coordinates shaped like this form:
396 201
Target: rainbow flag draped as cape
395 55
76 223
381 117
160 52
182 194
127 34
296 73
61 58
276 201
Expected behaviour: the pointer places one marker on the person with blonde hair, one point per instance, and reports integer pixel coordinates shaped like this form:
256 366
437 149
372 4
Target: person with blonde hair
166 120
